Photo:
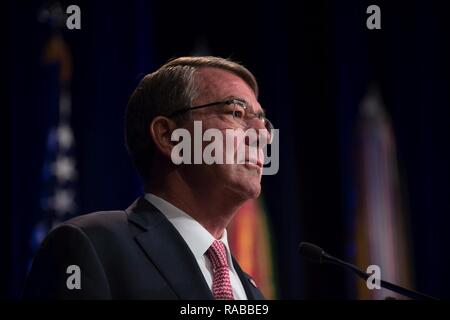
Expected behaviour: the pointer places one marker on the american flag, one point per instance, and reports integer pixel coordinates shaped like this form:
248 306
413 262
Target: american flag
59 174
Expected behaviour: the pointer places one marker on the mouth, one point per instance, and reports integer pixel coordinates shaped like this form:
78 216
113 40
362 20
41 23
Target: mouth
254 163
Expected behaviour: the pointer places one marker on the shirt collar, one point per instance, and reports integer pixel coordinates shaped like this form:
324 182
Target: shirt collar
194 234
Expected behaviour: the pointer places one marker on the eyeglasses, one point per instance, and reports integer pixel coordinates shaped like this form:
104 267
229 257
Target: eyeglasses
237 108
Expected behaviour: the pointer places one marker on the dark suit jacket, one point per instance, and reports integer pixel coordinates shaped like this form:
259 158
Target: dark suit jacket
131 254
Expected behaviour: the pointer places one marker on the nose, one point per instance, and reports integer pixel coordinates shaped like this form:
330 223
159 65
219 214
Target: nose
256 123
261 136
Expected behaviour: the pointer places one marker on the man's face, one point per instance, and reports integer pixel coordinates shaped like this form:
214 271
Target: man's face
238 180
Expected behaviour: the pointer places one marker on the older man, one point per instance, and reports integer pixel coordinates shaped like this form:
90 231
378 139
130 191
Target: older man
172 242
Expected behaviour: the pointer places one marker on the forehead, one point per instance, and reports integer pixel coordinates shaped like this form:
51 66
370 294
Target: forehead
214 83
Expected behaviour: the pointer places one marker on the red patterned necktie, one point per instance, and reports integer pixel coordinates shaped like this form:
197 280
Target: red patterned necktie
221 286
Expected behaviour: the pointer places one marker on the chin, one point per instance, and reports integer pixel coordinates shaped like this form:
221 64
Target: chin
248 188
255 193
244 183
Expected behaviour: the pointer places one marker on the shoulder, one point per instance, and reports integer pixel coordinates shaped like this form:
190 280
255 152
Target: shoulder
98 220
97 227
97 230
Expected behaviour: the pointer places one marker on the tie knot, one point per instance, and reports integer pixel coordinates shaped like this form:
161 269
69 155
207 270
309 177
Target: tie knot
217 254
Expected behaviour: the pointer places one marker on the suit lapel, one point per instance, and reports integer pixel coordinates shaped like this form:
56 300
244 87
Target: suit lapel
252 292
165 247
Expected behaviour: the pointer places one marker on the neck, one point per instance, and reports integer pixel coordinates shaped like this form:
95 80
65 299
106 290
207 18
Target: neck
213 209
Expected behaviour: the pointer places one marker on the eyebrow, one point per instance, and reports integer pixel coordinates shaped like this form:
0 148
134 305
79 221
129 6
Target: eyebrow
263 111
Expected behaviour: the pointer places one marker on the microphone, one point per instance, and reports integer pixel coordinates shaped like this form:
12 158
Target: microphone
316 254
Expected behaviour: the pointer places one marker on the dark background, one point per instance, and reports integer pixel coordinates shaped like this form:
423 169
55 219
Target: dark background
314 61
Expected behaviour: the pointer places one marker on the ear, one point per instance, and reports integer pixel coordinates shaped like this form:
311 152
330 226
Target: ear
161 129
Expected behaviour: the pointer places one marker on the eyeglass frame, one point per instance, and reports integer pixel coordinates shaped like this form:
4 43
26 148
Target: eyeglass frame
231 101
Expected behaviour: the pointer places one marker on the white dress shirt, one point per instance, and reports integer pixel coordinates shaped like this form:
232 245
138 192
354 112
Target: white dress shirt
198 240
